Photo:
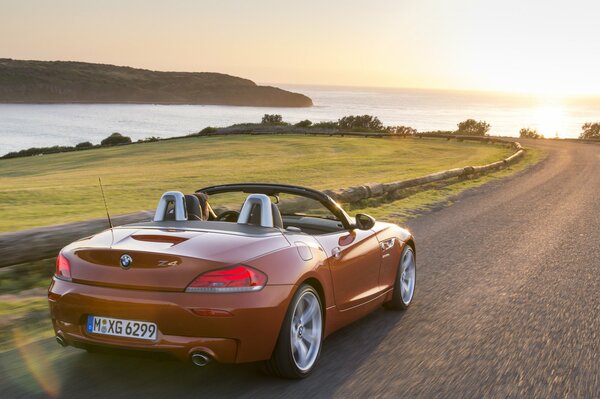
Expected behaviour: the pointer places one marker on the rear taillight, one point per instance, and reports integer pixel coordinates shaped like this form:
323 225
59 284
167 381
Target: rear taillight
63 268
233 279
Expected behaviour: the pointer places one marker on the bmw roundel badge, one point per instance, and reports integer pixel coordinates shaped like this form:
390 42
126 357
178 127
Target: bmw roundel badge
126 261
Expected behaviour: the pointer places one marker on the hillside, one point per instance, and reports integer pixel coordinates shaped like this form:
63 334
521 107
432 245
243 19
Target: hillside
80 82
134 176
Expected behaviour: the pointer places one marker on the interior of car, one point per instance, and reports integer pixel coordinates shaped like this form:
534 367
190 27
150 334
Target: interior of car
283 211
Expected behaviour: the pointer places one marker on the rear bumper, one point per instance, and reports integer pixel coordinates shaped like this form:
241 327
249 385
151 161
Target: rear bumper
248 332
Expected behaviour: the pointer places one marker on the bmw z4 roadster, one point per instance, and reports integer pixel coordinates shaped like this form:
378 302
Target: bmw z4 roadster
233 273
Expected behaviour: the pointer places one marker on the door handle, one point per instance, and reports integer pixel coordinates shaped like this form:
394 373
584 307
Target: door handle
336 252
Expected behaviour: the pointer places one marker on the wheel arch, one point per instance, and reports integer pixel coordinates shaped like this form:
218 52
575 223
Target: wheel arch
411 243
316 284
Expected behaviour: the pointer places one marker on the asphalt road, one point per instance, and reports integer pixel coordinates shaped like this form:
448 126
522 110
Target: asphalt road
507 305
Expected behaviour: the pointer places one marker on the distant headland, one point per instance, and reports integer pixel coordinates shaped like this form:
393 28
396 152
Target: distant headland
47 82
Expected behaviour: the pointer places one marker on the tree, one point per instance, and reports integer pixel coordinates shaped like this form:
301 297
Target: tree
590 131
150 139
471 127
402 130
360 122
304 123
527 133
272 119
326 125
85 144
116 138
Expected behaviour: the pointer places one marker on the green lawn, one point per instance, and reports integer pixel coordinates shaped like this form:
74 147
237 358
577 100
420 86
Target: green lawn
59 188
152 168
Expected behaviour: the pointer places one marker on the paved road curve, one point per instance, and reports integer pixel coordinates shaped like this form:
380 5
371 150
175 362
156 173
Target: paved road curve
507 305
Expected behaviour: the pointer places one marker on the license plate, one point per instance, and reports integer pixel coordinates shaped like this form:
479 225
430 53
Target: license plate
121 328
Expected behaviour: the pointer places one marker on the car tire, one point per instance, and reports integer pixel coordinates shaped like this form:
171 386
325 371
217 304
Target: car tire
406 278
300 339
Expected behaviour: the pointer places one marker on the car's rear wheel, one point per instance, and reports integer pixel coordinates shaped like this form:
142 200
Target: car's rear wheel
299 343
404 288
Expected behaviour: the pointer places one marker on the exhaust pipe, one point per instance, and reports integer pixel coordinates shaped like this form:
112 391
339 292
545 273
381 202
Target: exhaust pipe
61 341
200 359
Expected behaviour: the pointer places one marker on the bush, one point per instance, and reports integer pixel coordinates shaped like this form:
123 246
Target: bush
304 123
590 131
360 122
150 139
527 133
38 151
401 130
272 119
208 130
471 127
326 125
115 139
85 144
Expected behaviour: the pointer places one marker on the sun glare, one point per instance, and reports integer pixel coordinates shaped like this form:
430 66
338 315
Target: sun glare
38 364
550 120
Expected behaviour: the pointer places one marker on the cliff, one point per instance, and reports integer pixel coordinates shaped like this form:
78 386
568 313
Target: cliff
80 82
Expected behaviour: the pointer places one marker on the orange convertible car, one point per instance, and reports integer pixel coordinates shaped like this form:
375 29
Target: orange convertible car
258 272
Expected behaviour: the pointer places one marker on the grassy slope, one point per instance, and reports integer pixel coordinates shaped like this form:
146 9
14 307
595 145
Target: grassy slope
63 188
24 318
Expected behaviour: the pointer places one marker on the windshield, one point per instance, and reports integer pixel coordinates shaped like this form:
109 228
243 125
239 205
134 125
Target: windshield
288 204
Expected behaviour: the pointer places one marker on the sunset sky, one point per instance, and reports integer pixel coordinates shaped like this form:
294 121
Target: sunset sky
539 46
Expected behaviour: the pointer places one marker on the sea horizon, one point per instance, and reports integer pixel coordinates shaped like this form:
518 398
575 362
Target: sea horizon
39 125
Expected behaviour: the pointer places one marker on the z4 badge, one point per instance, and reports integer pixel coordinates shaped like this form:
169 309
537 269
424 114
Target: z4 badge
166 263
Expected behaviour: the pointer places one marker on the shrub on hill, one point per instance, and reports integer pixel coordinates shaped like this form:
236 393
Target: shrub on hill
150 139
208 130
401 130
38 151
115 139
527 133
326 125
304 123
360 122
272 119
471 127
85 144
590 131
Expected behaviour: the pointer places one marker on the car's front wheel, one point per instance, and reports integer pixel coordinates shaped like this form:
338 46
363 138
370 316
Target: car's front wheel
404 288
299 343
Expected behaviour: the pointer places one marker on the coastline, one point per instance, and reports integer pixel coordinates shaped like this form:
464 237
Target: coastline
223 104
41 125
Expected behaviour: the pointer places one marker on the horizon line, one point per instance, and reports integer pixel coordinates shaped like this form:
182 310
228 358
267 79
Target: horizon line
345 86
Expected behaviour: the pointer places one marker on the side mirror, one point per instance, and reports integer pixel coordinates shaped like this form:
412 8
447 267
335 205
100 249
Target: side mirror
364 221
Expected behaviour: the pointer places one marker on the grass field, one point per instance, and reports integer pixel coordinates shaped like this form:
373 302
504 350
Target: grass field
60 188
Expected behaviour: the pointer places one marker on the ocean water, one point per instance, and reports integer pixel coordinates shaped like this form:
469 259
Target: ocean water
35 125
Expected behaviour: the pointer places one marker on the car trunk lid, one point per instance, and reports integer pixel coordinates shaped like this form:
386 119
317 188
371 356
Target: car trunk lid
162 260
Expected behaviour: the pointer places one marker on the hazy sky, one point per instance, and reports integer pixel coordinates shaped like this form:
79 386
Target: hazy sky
511 45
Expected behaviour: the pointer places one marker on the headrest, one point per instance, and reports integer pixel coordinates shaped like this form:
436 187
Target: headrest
171 201
192 206
255 205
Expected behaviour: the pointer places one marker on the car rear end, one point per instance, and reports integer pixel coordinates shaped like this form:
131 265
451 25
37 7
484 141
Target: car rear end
161 291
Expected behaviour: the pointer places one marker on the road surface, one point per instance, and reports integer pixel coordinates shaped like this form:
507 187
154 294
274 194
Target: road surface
507 305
